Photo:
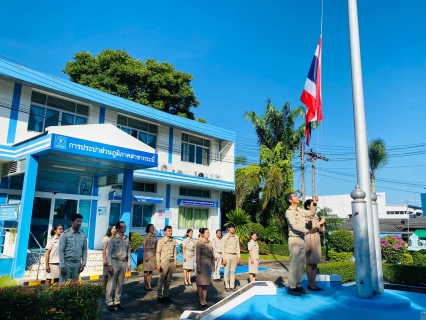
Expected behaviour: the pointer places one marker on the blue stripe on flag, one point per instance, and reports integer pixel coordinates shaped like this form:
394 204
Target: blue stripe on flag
312 75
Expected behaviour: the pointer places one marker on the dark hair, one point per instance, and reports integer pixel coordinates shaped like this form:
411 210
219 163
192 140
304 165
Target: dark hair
76 216
117 225
55 227
167 228
218 230
188 231
252 233
307 204
147 227
203 230
288 197
231 225
109 233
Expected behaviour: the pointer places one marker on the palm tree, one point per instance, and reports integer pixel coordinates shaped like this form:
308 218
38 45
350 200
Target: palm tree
241 221
378 158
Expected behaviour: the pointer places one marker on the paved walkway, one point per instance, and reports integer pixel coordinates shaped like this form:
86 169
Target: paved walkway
141 304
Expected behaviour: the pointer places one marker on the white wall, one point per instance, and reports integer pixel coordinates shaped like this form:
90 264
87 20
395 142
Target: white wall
101 221
6 94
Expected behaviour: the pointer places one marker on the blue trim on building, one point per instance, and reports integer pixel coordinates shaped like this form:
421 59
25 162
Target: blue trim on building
101 115
25 214
4 184
75 90
127 194
171 145
168 193
14 112
93 214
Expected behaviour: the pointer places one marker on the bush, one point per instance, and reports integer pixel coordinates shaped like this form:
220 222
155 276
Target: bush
342 241
263 247
345 269
407 259
393 248
7 282
136 241
399 273
339 256
280 249
67 301
419 257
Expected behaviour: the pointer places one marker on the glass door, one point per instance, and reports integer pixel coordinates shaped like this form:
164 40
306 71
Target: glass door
62 212
40 222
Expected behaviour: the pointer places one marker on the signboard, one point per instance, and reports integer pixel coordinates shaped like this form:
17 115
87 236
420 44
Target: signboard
196 203
102 211
102 151
9 212
167 214
137 198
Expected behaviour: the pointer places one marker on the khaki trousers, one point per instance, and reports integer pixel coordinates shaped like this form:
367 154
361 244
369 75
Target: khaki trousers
217 264
165 279
73 268
231 264
115 280
297 248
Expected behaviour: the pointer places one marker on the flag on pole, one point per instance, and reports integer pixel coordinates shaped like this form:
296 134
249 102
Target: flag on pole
311 95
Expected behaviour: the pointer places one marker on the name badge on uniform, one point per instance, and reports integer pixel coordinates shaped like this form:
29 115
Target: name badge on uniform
71 237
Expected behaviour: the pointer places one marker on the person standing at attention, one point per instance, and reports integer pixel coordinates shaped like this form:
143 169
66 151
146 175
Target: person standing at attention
296 241
253 249
52 255
118 265
112 230
205 264
217 250
166 264
231 257
72 250
149 247
313 247
188 257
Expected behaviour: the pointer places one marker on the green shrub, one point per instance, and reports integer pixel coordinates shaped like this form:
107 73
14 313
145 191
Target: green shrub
399 273
342 241
393 248
67 301
419 257
339 256
263 247
6 281
136 241
280 249
345 269
407 259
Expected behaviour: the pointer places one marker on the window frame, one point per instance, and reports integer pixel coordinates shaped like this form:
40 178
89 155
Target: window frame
187 145
192 225
142 217
138 130
185 193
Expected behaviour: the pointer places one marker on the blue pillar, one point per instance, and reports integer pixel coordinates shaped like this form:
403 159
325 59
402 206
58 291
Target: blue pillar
4 184
93 214
168 191
14 111
102 115
24 218
127 196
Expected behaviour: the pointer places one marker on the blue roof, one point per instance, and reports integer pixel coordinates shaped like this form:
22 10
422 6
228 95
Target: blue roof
25 74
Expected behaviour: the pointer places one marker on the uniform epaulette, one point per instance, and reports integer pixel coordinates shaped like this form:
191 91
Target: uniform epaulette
67 230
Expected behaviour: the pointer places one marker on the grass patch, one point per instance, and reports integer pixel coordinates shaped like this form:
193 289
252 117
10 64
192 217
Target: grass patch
266 257
6 282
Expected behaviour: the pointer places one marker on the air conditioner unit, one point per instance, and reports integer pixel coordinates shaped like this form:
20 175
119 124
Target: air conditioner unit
14 168
165 167
201 174
176 170
217 176
110 180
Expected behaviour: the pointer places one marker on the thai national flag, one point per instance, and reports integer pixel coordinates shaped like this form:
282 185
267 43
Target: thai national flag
311 95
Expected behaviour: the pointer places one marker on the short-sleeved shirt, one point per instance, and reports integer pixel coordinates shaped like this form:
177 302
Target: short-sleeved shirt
118 248
217 245
231 244
53 246
189 244
150 241
296 220
254 248
166 250
72 247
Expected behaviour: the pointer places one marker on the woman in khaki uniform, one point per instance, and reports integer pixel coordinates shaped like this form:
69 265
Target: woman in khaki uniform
149 248
253 249
109 235
205 265
313 247
52 255
188 246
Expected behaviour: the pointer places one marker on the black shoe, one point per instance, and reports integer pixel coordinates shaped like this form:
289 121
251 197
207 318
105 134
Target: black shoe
232 289
227 289
160 300
301 290
313 289
294 292
319 288
119 307
167 300
111 308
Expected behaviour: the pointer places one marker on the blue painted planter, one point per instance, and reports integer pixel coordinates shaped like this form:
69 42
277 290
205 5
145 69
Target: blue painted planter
134 260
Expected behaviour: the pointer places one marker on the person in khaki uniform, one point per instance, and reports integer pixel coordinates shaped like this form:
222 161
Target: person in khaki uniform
205 264
253 249
72 250
118 264
52 255
188 246
217 250
166 263
231 256
296 241
149 245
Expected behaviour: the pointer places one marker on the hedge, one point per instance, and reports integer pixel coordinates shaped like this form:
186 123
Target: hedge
342 241
67 301
419 257
345 269
339 256
280 249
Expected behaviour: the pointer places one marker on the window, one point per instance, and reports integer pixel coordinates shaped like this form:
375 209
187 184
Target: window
195 149
192 218
46 111
194 192
114 213
143 131
147 187
141 215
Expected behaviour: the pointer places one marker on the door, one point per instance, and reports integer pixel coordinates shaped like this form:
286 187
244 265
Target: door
40 222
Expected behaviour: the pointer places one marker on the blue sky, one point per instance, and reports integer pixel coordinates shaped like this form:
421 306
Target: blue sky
243 52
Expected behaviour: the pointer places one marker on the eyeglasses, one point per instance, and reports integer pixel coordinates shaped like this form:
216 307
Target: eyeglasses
121 226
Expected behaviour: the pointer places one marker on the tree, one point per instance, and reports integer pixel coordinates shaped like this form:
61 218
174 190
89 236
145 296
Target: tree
378 158
157 85
241 221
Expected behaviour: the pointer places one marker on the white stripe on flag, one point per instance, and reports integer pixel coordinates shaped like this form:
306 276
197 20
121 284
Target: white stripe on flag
311 88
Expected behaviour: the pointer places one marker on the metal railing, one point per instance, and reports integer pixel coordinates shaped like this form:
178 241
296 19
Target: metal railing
39 254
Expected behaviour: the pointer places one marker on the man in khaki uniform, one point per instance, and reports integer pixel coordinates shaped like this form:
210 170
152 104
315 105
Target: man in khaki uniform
296 241
72 250
217 251
166 263
231 256
118 264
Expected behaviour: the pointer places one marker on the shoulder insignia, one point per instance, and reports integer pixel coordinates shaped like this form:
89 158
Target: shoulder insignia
67 230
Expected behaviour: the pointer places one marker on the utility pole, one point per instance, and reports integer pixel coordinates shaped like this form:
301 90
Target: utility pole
302 167
312 157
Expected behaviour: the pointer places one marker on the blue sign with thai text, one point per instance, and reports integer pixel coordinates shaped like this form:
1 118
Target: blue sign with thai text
136 198
102 151
196 203
9 212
